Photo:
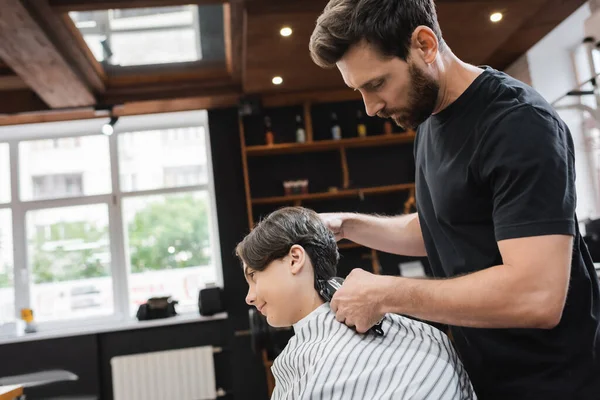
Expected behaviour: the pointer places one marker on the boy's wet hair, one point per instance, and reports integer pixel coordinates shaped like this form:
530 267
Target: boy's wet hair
274 236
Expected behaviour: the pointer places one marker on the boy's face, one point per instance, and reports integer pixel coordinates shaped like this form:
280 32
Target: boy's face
284 291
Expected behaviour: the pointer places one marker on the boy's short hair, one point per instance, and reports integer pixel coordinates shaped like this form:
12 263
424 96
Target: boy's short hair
274 236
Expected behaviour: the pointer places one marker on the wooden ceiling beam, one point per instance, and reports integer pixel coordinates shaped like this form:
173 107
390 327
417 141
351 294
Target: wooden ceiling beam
134 108
222 100
234 24
63 33
91 5
30 53
170 91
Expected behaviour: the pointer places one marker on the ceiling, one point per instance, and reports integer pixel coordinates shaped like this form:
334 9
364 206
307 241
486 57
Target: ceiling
46 65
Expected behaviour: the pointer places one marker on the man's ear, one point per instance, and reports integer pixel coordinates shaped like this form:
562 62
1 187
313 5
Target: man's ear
425 43
297 256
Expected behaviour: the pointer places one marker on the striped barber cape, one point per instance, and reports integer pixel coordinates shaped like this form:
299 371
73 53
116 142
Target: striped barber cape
327 360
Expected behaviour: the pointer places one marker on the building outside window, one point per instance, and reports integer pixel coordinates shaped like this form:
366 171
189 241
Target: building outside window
110 222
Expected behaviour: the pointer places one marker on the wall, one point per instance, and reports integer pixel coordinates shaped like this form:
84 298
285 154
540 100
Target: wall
520 70
553 74
248 374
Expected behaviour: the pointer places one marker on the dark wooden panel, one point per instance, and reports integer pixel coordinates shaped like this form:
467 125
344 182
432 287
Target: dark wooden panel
24 100
12 82
546 18
77 354
268 54
471 35
465 25
37 61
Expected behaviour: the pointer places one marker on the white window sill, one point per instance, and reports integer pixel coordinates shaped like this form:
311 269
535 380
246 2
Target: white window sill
111 327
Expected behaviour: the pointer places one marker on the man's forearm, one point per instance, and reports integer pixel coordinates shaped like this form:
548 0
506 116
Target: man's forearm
496 297
397 235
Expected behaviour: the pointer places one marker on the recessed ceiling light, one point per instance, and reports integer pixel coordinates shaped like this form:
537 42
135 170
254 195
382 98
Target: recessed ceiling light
285 31
277 80
496 17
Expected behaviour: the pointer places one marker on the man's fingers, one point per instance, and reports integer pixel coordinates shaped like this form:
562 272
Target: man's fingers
333 304
360 328
340 317
333 221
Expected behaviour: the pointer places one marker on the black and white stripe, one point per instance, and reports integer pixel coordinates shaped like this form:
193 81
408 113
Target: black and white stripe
327 360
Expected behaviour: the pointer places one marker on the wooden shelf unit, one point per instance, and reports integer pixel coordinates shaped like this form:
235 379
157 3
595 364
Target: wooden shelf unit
333 195
343 191
328 145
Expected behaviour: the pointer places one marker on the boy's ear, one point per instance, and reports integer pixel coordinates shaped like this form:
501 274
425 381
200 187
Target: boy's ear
297 256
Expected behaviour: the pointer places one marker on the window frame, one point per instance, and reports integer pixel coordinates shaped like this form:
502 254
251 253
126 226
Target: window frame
120 260
108 32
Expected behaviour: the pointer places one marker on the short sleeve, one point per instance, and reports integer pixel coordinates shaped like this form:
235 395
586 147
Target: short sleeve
527 162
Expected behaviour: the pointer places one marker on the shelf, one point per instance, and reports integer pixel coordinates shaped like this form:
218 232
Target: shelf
326 145
333 195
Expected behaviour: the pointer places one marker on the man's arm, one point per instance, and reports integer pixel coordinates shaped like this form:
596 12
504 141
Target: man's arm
396 235
527 291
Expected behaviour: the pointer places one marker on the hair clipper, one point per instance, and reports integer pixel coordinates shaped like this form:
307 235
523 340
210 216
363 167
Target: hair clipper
327 289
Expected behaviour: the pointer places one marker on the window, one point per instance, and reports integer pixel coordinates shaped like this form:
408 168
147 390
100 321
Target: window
4 174
184 176
170 247
69 167
7 292
156 159
104 223
53 186
141 36
69 256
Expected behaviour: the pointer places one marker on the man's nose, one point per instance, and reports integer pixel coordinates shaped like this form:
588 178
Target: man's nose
373 105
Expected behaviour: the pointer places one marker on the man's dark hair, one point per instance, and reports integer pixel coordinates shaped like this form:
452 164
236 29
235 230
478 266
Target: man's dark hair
274 236
386 24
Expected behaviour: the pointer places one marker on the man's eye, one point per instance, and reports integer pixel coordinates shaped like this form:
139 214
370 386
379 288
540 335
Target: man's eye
378 85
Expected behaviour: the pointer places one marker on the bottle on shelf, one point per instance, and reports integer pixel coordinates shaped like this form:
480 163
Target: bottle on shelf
300 131
361 126
388 128
336 130
269 137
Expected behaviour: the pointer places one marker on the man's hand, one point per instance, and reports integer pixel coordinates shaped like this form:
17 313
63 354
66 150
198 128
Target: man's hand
357 302
335 222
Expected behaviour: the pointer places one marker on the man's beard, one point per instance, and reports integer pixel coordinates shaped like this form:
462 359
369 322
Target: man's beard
422 98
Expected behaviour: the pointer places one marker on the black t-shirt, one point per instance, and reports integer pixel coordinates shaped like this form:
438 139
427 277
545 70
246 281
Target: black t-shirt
498 164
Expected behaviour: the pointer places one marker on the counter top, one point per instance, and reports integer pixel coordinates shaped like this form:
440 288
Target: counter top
114 326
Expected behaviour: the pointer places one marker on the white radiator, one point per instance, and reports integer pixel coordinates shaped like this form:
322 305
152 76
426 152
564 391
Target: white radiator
186 374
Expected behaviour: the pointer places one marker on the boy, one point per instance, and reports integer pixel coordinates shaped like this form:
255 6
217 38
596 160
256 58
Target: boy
283 257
